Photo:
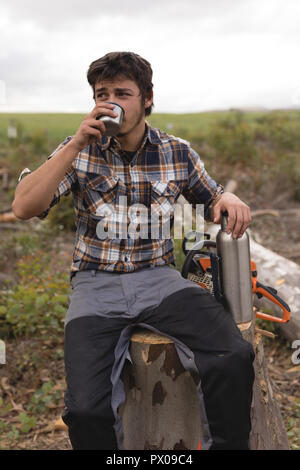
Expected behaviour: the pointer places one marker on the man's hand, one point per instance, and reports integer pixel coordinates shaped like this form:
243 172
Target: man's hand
92 129
239 216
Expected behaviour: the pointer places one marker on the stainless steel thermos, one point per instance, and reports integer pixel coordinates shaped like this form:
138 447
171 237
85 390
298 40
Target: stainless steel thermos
113 124
225 269
235 273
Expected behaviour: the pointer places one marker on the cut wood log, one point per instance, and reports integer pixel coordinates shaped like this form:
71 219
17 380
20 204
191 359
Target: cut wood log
161 411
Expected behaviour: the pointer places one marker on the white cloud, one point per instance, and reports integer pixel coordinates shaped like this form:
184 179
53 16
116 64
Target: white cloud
61 14
204 55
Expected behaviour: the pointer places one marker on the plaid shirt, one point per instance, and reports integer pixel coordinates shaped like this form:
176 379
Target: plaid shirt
163 168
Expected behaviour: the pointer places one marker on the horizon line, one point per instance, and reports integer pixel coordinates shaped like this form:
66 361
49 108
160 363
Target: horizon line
217 110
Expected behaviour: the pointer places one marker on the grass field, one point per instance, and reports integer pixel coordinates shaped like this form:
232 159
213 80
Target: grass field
60 125
231 143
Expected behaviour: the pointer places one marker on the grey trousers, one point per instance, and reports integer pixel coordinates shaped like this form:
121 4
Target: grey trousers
104 309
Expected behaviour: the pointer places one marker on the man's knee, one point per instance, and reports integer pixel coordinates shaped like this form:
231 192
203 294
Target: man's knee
86 410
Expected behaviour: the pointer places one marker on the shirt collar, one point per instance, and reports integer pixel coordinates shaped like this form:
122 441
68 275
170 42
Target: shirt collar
151 134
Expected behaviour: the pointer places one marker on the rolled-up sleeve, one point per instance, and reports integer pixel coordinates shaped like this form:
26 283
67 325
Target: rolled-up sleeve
201 188
65 186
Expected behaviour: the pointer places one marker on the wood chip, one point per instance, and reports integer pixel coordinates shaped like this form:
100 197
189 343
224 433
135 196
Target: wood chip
60 425
265 333
265 212
293 369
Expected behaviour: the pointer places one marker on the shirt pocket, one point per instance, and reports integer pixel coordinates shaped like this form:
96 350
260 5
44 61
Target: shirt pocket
163 198
162 191
100 192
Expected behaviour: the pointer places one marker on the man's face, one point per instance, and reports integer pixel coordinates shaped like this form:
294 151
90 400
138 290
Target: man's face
126 93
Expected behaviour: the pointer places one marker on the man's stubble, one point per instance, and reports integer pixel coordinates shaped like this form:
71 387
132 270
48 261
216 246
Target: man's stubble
139 119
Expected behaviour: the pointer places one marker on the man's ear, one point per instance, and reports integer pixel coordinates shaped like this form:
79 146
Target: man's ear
149 99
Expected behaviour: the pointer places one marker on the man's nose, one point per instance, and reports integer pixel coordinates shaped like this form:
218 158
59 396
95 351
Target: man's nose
112 97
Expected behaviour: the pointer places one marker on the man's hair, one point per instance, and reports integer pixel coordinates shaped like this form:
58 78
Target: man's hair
123 64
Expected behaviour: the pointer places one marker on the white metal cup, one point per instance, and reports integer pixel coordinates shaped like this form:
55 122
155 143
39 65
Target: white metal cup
113 124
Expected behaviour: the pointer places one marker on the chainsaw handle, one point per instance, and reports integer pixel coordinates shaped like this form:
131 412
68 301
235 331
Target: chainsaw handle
271 294
187 262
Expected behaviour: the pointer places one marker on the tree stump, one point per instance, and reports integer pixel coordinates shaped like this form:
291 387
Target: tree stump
161 410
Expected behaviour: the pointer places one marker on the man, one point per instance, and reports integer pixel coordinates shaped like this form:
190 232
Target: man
121 282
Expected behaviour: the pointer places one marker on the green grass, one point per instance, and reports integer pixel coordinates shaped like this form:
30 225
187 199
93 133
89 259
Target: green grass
231 144
57 126
61 125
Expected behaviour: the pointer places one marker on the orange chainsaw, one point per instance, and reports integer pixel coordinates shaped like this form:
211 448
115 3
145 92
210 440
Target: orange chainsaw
225 269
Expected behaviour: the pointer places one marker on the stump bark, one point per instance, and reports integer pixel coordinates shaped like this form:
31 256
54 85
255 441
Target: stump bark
161 410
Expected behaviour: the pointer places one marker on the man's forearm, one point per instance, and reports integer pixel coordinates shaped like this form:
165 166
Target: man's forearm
35 192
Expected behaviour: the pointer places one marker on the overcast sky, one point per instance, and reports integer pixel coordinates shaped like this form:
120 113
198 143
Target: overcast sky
205 54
